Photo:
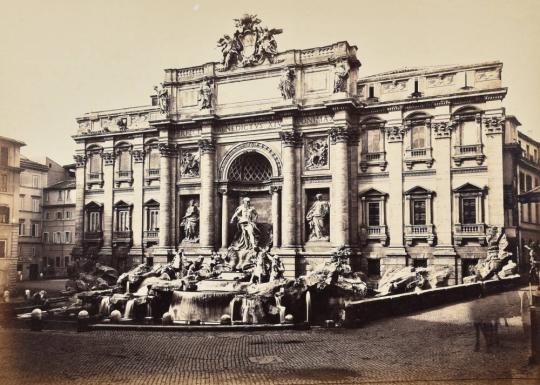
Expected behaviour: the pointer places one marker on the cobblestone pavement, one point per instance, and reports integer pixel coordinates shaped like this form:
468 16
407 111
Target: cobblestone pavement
436 346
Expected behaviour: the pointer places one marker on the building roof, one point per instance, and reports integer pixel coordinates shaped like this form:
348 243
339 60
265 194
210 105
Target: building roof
62 185
527 137
11 140
30 164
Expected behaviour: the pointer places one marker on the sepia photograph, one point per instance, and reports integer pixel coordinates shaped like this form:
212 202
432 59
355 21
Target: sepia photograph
284 192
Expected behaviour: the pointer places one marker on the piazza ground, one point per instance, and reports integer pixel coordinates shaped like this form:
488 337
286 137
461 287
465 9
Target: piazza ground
435 346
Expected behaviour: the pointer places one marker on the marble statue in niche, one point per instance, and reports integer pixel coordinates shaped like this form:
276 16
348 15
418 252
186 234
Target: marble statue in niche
316 153
205 94
247 234
286 83
190 163
190 222
317 218
341 74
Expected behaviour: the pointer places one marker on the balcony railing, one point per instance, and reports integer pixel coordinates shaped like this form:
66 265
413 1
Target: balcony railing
151 174
419 232
95 175
151 235
418 155
373 159
122 236
93 236
469 231
468 151
375 233
124 174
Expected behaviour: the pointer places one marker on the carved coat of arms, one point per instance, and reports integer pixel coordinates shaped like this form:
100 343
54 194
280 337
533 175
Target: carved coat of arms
250 44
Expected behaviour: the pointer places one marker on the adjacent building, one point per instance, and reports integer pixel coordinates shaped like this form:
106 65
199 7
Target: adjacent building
58 227
9 209
403 168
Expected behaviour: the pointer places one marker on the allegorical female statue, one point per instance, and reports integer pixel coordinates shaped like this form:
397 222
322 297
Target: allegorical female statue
190 222
316 218
205 94
247 234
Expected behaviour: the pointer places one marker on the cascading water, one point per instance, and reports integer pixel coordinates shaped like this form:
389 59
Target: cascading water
281 309
105 306
127 287
308 307
128 312
200 306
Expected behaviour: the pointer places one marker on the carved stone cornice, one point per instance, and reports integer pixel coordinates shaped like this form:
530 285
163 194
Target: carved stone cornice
394 133
138 155
108 158
80 160
167 149
207 146
291 138
493 124
339 135
443 129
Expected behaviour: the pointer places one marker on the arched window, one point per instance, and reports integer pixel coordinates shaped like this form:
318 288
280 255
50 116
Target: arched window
250 167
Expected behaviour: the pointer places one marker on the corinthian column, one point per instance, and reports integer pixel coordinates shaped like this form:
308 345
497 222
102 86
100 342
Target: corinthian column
274 191
339 194
207 209
80 162
168 151
290 140
108 180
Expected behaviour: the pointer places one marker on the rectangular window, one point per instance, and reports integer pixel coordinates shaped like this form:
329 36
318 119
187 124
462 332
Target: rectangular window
2 248
123 221
35 230
373 141
35 181
521 182
21 227
3 183
418 138
58 215
154 158
68 196
95 163
33 251
56 237
374 267
528 183
47 215
468 210
60 196
58 259
67 237
124 161
68 214
469 133
153 220
94 221
66 261
418 212
374 218
4 156
45 196
45 237
35 205
4 214
21 202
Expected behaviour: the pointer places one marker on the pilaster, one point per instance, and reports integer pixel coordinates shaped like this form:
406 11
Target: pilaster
493 126
80 187
138 155
168 152
208 190
108 180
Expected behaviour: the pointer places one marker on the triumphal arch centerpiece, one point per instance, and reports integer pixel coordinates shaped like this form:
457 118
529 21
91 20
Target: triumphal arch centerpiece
269 149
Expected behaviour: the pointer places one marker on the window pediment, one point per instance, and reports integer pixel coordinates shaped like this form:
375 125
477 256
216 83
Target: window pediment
372 192
418 190
151 203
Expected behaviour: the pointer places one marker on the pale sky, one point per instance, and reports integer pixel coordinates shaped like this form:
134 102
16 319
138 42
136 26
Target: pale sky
62 58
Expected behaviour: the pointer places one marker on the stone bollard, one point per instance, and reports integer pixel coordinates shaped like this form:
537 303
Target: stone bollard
535 335
115 316
167 319
289 319
7 298
36 320
83 321
329 323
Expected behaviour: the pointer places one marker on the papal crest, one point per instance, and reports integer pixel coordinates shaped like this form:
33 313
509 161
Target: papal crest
250 44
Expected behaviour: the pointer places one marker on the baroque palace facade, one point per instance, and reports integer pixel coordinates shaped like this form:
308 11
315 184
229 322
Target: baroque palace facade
403 168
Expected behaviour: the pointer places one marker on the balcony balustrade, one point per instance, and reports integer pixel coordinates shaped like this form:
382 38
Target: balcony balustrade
373 159
418 155
468 151
419 232
469 231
